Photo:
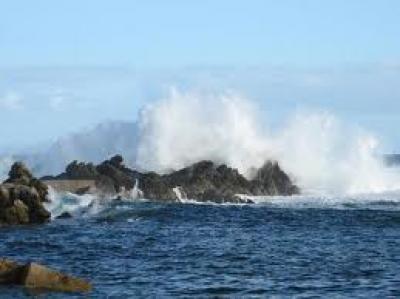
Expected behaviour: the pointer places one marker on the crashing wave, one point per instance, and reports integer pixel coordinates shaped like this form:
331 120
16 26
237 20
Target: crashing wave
324 155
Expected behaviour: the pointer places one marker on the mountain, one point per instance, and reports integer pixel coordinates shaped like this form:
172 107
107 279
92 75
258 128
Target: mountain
392 159
94 145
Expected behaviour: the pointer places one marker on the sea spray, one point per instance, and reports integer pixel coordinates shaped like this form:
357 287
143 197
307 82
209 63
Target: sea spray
186 128
5 165
65 202
323 155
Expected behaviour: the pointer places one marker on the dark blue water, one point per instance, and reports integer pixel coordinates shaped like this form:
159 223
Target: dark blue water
184 250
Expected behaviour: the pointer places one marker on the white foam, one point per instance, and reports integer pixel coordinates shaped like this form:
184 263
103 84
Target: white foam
323 155
61 202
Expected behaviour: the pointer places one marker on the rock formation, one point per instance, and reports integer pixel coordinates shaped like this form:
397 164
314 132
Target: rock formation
111 176
32 275
203 181
206 181
22 197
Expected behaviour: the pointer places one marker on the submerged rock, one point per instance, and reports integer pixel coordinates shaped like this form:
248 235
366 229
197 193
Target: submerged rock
33 275
64 215
22 197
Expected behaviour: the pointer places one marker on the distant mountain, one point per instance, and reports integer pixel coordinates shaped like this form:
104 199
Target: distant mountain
94 145
392 159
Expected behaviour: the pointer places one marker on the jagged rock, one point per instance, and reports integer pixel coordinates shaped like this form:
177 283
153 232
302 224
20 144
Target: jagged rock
271 180
22 197
81 170
203 181
115 170
110 176
154 186
206 181
19 170
41 189
37 276
117 161
5 199
17 213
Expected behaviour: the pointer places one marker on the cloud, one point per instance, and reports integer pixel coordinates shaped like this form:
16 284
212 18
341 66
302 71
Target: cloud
59 99
57 102
11 101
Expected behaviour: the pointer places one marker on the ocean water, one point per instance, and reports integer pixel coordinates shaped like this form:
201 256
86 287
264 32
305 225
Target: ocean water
280 247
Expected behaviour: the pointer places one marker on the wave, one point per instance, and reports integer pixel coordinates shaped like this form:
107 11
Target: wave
73 204
324 155
131 210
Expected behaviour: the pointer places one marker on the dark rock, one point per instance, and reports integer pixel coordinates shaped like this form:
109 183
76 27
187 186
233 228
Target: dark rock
117 161
41 188
105 185
156 187
5 200
76 171
116 172
17 213
271 180
64 215
22 197
19 170
110 176
203 181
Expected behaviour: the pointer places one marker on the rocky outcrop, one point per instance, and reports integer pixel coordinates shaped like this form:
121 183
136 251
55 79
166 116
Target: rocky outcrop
36 276
203 181
110 177
272 180
22 197
206 181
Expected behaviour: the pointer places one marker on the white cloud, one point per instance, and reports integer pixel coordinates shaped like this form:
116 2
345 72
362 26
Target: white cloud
57 102
11 101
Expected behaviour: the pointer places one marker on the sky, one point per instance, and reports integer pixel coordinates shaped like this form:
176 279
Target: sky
67 65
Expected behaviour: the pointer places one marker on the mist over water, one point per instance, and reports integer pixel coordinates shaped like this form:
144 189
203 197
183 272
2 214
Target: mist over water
322 154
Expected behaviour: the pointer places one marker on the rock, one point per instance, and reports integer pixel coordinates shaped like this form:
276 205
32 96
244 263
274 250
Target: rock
41 188
206 181
18 213
9 272
81 171
64 215
272 180
156 187
5 200
22 197
37 276
33 275
203 181
19 170
105 185
110 176
117 161
117 172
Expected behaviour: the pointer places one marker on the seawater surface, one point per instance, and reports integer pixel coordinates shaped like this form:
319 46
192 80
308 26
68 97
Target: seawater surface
144 249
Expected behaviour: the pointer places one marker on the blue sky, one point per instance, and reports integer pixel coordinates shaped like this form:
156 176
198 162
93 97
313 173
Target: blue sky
179 32
66 65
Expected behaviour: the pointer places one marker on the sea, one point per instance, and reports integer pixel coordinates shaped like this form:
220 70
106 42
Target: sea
280 247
